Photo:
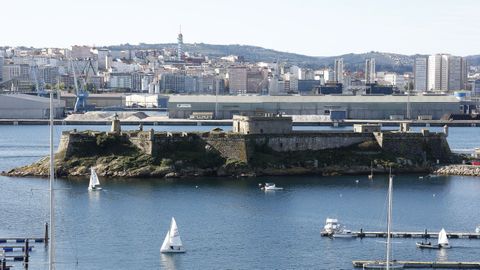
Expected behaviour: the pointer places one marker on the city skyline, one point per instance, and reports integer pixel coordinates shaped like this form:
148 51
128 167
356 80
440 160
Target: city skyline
312 28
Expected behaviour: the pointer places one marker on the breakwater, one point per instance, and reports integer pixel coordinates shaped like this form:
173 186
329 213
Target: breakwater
458 169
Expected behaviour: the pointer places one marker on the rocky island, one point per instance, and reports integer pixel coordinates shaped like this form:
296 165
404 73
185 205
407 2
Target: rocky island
257 145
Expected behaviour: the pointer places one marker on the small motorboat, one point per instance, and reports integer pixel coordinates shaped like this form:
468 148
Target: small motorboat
442 242
331 226
343 233
270 187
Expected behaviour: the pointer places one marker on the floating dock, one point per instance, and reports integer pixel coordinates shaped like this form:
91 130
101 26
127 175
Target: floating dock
21 240
430 265
425 234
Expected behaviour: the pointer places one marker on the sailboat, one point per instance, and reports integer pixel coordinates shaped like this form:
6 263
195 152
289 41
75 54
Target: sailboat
389 263
94 182
442 242
173 242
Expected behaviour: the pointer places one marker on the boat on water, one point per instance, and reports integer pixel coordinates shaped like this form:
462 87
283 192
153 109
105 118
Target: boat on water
477 229
94 183
172 242
331 226
442 242
270 187
344 233
388 263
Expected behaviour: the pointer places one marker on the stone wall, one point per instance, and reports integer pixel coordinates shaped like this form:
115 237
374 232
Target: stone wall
309 140
416 146
230 146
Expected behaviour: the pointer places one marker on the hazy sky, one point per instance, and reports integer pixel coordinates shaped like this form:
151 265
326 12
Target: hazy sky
319 28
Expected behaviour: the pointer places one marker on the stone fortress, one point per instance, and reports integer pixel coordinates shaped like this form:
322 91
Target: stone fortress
272 132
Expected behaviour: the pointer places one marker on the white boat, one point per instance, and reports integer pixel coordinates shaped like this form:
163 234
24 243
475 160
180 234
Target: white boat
388 263
442 242
344 233
173 242
94 182
477 229
270 187
331 226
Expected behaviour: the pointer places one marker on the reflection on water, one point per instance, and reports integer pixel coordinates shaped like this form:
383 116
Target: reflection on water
170 261
442 255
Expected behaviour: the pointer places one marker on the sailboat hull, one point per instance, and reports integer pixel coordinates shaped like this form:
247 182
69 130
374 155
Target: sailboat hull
181 250
427 246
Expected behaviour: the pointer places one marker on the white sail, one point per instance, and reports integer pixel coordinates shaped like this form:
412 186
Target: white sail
442 238
172 242
175 239
94 182
166 243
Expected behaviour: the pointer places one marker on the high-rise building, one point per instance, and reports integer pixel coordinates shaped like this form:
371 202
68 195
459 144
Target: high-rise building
446 72
420 70
179 46
338 70
370 70
237 80
103 59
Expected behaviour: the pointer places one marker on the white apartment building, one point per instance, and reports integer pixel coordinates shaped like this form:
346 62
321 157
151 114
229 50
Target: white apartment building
446 72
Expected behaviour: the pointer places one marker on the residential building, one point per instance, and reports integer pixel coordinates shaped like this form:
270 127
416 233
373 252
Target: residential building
370 70
81 52
237 80
446 72
104 59
338 70
420 70
120 80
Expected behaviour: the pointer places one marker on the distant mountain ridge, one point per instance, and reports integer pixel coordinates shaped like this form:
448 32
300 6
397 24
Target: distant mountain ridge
384 61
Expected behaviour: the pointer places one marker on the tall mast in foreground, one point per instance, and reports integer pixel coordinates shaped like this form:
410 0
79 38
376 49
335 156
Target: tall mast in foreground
389 219
51 249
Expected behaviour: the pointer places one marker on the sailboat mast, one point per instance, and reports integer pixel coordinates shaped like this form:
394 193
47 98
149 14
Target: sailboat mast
51 249
389 219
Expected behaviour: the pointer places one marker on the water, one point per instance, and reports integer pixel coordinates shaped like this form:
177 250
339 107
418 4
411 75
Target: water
229 223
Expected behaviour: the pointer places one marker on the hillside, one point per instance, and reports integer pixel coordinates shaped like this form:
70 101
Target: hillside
384 61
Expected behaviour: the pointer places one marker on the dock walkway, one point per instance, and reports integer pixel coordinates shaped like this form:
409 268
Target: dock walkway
430 265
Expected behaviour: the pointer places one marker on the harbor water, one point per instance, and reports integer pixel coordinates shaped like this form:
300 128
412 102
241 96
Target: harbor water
228 223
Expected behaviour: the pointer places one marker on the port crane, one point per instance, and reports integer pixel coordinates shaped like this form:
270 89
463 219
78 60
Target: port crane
80 85
39 83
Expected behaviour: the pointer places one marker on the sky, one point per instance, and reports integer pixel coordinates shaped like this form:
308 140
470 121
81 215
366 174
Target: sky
316 28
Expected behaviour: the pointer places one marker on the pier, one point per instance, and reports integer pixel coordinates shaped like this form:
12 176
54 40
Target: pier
424 234
429 265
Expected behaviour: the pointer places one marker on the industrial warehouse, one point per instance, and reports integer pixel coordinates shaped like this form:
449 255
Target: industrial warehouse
339 107
205 107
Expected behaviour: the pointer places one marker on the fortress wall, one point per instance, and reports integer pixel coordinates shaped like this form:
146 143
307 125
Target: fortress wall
309 141
230 147
415 146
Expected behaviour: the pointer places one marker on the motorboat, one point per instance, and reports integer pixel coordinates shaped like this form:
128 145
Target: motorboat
172 242
344 233
94 183
331 226
442 242
270 187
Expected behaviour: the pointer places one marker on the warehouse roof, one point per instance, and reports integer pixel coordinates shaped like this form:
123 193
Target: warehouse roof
310 99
